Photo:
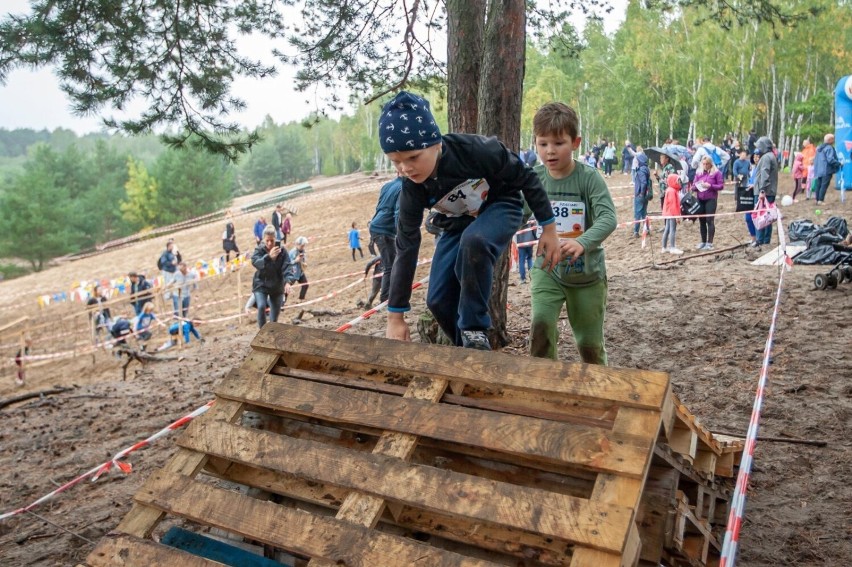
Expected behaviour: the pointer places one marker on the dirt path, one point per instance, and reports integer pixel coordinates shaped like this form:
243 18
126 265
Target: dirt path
705 321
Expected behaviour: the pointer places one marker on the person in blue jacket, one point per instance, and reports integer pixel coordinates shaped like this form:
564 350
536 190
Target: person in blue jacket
641 192
383 230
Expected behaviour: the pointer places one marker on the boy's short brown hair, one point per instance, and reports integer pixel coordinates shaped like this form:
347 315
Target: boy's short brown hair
556 118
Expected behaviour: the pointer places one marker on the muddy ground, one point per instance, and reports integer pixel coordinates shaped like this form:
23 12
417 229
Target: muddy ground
704 320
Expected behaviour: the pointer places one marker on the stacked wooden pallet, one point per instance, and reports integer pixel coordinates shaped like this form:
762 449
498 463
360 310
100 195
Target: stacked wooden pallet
685 503
333 449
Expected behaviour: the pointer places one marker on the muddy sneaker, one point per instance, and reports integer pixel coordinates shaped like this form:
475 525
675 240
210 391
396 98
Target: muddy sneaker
701 246
475 339
708 246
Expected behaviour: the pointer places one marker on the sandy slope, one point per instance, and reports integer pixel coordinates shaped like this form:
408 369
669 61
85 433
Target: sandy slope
704 321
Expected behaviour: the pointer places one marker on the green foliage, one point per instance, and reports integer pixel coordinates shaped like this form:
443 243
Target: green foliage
191 182
10 271
141 207
37 213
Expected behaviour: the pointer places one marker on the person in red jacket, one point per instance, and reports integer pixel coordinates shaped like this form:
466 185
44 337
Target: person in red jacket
671 212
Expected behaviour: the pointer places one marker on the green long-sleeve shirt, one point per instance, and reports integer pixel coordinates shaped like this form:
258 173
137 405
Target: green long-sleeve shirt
584 210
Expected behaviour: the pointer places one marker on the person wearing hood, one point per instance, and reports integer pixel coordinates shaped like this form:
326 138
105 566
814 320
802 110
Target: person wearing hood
641 191
765 180
826 164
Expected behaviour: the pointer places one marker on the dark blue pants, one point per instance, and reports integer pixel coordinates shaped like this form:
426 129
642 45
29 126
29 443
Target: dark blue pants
264 300
387 250
463 269
640 211
764 235
822 188
525 260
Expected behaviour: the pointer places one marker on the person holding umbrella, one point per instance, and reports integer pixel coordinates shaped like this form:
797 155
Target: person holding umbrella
668 169
669 161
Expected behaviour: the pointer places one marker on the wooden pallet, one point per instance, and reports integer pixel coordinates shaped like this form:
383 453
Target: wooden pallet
364 457
705 452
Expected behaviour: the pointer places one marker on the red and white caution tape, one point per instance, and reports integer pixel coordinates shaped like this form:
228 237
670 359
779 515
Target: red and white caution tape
735 518
126 467
367 314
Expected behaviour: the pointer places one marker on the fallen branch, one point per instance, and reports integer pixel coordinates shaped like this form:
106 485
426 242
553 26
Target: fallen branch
142 357
776 439
30 395
685 258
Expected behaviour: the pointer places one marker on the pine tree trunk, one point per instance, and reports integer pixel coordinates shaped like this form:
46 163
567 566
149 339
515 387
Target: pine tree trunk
465 28
500 96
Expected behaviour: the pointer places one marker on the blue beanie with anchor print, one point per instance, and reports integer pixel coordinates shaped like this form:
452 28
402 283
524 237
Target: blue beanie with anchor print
407 124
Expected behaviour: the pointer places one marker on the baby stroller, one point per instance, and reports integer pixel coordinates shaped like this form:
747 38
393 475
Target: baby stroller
841 272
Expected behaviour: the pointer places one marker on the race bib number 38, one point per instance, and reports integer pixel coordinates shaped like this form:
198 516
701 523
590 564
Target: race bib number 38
570 218
465 199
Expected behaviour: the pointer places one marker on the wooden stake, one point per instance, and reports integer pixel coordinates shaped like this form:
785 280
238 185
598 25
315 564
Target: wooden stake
180 319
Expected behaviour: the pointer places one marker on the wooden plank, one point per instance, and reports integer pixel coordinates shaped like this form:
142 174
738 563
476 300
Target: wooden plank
572 519
121 550
636 388
535 439
546 550
684 440
141 520
625 491
595 558
365 509
515 402
655 516
298 532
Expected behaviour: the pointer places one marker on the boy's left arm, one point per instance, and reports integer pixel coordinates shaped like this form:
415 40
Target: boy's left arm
602 213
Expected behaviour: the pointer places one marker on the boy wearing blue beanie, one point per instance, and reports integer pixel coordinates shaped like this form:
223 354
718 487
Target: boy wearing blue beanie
475 185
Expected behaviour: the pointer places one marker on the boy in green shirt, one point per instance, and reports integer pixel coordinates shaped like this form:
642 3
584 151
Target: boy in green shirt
585 216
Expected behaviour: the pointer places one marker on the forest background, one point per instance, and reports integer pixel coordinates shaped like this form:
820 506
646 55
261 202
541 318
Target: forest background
660 74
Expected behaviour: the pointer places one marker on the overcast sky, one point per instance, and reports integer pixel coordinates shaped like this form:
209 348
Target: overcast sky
32 99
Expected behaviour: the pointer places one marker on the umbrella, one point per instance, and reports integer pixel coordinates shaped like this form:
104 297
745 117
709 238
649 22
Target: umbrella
655 153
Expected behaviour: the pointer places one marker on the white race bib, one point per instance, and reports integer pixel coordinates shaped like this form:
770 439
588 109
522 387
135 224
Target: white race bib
465 199
570 218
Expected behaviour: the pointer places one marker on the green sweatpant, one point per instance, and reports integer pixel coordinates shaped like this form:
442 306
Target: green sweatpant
586 310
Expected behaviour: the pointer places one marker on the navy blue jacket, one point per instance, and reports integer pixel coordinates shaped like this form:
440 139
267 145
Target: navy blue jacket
643 176
387 209
138 297
463 157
